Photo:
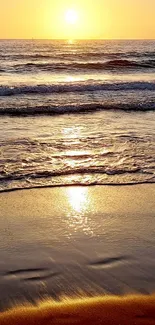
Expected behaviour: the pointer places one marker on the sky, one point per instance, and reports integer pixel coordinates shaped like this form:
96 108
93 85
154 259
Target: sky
103 19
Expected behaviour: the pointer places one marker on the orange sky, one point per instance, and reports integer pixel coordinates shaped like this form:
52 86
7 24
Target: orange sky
106 19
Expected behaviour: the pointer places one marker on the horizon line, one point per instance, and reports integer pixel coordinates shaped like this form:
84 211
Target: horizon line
79 39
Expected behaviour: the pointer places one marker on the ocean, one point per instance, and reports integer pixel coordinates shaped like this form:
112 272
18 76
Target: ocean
76 113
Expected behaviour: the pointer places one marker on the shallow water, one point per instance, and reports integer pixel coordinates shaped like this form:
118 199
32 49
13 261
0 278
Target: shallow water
106 93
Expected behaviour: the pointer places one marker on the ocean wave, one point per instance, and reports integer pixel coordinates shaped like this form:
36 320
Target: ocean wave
81 86
75 108
79 179
80 54
110 64
78 170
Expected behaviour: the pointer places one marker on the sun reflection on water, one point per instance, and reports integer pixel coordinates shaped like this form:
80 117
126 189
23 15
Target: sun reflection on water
78 220
70 79
72 132
78 198
70 41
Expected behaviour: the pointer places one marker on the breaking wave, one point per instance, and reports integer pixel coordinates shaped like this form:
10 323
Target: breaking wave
75 108
75 87
111 64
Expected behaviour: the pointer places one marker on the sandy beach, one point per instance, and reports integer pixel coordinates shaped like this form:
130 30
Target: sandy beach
72 241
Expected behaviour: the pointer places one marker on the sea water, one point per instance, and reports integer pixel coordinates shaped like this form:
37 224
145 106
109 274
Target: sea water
76 112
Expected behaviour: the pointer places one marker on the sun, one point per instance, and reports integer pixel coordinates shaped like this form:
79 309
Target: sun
71 16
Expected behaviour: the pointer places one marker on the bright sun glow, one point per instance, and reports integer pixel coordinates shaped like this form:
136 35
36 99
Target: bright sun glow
77 19
71 16
78 198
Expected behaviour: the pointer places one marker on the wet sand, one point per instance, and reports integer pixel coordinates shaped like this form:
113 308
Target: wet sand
72 241
131 310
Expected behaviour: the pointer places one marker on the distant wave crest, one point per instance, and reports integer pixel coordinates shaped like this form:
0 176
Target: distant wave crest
110 64
81 54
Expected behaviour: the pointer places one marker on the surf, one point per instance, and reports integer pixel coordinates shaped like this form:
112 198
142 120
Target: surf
82 86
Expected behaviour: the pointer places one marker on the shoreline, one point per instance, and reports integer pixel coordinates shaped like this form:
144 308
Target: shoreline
76 185
95 240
